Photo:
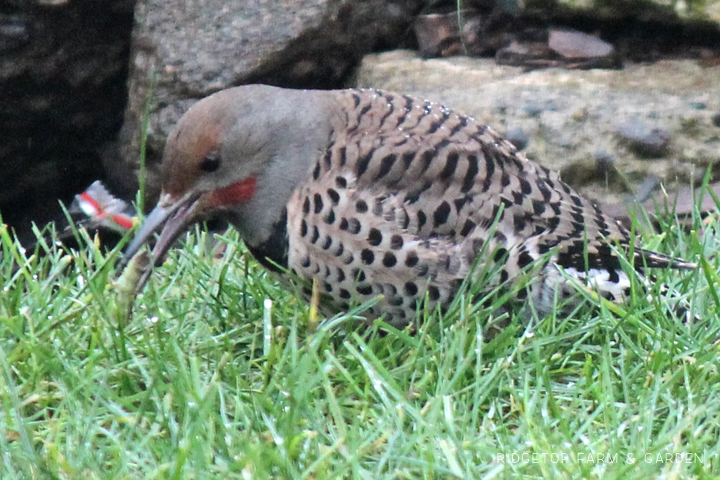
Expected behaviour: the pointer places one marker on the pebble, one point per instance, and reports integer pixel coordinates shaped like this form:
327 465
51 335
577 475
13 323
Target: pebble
518 137
604 162
643 139
716 119
646 188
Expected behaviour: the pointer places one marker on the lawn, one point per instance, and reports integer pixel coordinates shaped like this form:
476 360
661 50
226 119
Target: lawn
220 372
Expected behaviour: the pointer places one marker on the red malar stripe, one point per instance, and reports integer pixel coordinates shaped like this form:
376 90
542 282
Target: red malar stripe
235 193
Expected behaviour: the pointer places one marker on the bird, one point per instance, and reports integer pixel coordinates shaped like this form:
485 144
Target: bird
375 194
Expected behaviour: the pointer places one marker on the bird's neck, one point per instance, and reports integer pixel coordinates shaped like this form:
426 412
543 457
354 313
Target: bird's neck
302 134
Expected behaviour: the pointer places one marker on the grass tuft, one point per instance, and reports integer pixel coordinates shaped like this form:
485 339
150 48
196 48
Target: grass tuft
207 379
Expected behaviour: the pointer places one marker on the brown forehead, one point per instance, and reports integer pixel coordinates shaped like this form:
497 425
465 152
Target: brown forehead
196 136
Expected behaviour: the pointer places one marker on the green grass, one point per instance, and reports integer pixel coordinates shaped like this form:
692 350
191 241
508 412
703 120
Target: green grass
203 380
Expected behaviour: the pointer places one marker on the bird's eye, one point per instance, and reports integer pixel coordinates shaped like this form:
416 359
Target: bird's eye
210 163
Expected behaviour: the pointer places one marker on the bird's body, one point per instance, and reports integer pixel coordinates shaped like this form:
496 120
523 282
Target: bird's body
373 193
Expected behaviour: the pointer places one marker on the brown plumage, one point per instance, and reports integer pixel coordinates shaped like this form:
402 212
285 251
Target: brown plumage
375 193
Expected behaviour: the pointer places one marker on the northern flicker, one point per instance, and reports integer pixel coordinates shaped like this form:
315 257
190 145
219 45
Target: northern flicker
374 193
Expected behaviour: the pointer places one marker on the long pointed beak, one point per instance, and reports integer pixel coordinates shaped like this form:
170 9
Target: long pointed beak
173 218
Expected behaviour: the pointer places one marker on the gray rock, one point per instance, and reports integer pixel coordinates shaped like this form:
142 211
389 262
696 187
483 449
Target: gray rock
183 51
645 140
716 119
604 162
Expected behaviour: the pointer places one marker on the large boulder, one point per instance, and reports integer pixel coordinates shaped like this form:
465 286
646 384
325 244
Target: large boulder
183 51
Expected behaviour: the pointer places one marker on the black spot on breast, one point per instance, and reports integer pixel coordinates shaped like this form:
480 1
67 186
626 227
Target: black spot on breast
364 289
450 166
354 225
316 171
460 203
500 254
330 217
441 214
525 187
344 294
340 275
467 228
389 260
504 276
396 242
305 262
524 259
470 175
344 224
358 275
436 124
396 301
411 259
343 156
489 171
327 243
367 256
341 182
306 206
315 235
340 250
328 287
538 207
362 164
433 293
422 218
518 198
422 269
505 179
361 206
318 203
411 289
375 237
303 228
386 165
407 159
334 195
460 125
427 158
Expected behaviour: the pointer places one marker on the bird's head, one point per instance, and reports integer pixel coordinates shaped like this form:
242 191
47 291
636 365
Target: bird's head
236 154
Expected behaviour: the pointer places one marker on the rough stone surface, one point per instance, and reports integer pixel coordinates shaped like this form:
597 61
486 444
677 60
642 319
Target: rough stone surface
185 51
571 115
62 71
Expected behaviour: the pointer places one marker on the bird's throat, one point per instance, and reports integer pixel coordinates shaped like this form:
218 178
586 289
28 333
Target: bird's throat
232 194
